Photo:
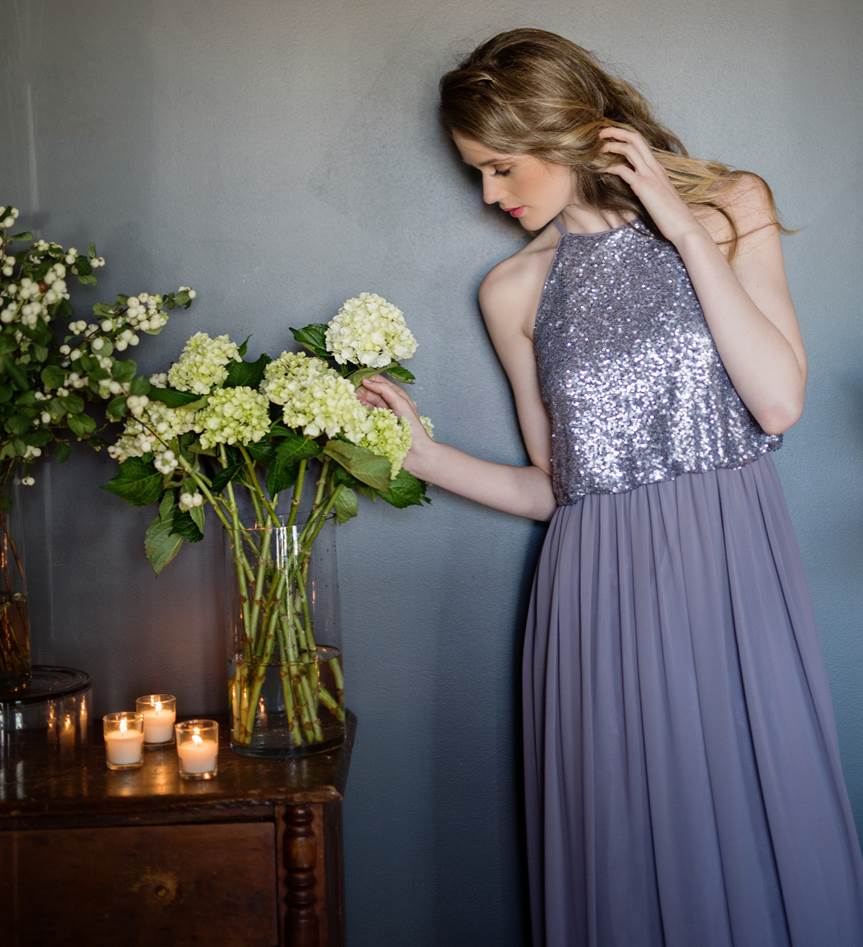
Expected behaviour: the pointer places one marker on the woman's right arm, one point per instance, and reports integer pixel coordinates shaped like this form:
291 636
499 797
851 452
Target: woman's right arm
522 491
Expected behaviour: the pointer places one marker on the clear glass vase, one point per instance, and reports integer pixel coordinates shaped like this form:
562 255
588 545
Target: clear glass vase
15 664
285 679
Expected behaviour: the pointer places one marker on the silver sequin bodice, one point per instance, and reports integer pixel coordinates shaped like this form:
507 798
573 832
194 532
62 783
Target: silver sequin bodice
628 371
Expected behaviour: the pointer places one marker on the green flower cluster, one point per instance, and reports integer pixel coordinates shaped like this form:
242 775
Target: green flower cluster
315 398
368 330
387 435
238 415
203 363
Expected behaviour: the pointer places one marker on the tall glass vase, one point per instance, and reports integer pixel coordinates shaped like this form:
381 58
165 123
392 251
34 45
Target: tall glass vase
285 676
15 666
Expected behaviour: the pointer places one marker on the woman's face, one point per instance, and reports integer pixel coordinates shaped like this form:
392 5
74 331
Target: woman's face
539 188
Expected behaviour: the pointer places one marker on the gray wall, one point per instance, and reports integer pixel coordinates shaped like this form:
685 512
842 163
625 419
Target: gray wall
281 157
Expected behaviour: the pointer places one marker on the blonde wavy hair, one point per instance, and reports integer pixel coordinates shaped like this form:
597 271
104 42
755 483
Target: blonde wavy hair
531 92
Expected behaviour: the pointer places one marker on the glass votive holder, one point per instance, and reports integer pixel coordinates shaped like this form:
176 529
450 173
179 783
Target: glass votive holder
124 739
197 748
160 712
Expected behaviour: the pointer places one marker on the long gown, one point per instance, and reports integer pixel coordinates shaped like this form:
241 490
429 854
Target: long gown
683 783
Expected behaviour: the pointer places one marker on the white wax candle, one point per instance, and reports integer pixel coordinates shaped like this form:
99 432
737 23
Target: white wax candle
159 724
198 755
124 746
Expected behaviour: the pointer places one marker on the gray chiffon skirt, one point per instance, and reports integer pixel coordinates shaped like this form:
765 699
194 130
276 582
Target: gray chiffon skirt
683 785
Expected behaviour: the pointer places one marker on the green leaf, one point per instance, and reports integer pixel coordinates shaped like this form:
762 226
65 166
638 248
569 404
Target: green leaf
72 403
173 398
91 249
139 386
361 462
9 365
313 338
249 374
340 475
244 346
53 376
87 280
225 476
346 504
93 368
19 423
7 343
400 372
137 482
406 490
123 370
116 408
183 525
5 393
160 544
81 424
38 438
263 452
281 476
198 516
23 235
62 452
103 310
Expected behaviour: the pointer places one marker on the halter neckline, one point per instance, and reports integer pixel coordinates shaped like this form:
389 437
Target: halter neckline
597 233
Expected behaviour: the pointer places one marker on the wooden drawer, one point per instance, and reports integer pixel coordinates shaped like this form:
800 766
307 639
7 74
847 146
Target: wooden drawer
152 885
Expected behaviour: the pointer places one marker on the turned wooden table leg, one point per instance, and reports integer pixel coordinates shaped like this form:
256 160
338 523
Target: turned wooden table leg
303 872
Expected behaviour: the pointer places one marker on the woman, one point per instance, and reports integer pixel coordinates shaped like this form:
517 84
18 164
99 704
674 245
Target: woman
682 774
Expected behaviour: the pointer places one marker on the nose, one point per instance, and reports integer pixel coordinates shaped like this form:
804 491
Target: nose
490 190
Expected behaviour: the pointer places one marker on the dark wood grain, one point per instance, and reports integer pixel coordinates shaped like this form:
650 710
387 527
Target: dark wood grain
253 856
185 884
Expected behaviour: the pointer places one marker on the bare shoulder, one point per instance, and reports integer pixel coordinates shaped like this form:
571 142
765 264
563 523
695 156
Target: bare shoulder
747 200
509 293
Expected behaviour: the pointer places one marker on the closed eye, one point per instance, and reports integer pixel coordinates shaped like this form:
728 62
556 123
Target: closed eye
502 174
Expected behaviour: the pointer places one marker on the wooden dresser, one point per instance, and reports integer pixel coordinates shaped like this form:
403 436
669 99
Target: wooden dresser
91 857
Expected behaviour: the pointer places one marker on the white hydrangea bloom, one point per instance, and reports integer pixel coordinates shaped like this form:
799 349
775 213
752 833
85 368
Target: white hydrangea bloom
315 398
202 363
386 435
233 416
368 330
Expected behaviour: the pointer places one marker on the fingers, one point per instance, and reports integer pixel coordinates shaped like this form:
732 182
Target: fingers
370 398
631 143
394 395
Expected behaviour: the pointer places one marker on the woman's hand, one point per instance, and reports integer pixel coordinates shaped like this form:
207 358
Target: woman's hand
379 392
648 180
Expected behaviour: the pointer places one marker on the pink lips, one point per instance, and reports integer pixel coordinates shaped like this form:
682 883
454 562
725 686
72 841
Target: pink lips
516 212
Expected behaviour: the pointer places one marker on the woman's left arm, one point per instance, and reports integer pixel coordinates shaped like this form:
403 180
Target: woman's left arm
746 303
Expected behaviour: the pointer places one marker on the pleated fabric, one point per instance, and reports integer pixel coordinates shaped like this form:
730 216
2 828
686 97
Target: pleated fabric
683 783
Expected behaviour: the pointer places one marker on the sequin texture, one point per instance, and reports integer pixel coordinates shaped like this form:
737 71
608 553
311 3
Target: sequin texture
628 370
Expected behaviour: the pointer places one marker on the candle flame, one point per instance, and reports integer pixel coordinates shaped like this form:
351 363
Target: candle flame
196 739
158 706
67 722
124 725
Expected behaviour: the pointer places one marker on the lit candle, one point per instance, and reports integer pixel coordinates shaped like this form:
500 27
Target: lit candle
124 739
160 712
67 732
197 748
